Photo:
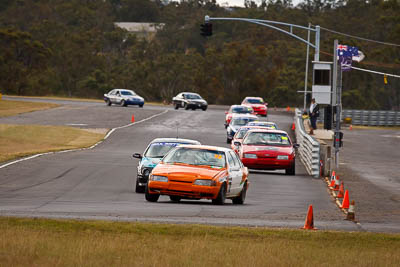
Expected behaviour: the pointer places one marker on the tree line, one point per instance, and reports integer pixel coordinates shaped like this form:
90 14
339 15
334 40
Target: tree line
73 48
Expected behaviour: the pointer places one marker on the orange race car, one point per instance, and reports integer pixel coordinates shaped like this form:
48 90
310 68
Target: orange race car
196 172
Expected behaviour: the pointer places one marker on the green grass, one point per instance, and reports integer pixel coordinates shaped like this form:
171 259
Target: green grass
29 242
12 108
23 140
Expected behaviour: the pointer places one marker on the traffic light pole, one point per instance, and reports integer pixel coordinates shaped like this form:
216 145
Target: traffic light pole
336 100
271 23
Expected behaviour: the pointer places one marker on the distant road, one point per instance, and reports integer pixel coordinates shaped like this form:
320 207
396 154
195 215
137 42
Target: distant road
98 183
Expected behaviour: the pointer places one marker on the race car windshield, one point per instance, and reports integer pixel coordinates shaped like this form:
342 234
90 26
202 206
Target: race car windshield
255 101
197 157
270 139
159 149
190 96
241 133
241 121
241 110
127 93
263 124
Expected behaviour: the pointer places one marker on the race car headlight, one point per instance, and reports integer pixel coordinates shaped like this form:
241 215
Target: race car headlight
250 156
282 157
145 172
159 178
204 182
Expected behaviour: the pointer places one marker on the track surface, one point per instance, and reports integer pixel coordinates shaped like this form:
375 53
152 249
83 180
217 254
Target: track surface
99 183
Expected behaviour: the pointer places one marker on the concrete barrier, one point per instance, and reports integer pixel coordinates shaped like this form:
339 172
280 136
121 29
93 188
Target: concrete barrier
309 150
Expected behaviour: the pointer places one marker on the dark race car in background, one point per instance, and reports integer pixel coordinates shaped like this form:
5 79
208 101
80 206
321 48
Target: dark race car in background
189 100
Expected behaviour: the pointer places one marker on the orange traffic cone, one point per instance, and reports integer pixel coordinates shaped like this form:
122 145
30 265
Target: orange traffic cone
332 184
333 176
309 223
333 181
287 108
351 127
345 203
293 126
341 191
133 119
337 185
350 213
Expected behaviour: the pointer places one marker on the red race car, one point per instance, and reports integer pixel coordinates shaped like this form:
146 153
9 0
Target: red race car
236 109
265 149
238 137
257 104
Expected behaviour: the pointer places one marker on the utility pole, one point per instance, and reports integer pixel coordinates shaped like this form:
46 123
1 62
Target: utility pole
306 76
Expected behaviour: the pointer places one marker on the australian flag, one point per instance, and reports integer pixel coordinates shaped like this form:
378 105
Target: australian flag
347 54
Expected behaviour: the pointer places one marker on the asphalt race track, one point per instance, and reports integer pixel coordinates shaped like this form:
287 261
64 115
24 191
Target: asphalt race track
99 183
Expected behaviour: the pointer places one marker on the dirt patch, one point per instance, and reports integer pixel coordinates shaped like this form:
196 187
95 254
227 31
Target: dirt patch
373 204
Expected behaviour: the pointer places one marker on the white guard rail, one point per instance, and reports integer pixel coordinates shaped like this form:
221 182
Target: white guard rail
309 150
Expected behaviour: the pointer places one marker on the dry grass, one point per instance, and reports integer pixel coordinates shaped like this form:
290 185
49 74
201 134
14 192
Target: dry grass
11 108
23 140
80 99
30 242
59 98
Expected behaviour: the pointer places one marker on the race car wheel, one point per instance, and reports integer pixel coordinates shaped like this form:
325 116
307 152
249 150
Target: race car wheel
204 108
140 106
176 106
108 102
185 105
240 199
150 197
123 104
175 198
139 188
291 170
220 200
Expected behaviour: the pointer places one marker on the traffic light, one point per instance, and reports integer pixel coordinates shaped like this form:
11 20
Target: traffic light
338 139
206 29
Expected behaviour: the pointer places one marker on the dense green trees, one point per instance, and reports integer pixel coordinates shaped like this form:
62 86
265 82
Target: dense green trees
72 48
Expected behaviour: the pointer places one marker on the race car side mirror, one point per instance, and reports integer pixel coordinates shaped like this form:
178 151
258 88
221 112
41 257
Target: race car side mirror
237 143
296 145
137 155
226 112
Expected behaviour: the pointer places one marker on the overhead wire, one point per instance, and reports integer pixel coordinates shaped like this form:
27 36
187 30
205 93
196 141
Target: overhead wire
358 37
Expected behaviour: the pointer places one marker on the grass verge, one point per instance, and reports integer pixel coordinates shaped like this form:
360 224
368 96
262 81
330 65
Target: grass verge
11 108
44 242
22 140
79 99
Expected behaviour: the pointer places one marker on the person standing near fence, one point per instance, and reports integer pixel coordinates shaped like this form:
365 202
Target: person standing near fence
314 114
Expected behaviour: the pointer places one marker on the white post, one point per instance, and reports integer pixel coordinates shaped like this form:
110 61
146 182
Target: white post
306 76
317 36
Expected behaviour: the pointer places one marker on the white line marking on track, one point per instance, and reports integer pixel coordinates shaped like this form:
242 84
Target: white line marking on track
93 146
